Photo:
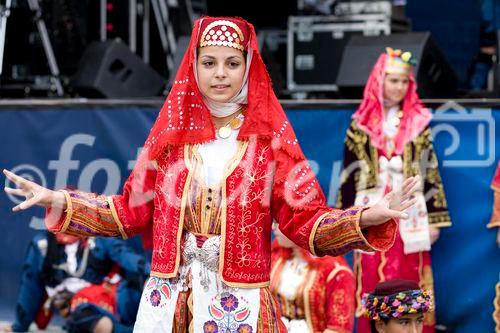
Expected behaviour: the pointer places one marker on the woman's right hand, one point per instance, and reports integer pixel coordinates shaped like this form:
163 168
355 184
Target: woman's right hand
33 193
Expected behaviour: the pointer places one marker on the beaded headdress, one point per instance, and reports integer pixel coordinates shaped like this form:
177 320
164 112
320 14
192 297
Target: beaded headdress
227 32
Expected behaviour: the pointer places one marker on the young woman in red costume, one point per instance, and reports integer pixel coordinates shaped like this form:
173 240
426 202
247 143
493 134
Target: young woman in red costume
388 141
220 162
316 294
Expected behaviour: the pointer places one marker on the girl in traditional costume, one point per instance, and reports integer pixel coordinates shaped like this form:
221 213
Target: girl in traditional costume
388 141
315 294
220 162
396 306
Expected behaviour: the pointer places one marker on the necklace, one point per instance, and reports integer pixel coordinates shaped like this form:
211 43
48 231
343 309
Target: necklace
391 129
397 119
224 132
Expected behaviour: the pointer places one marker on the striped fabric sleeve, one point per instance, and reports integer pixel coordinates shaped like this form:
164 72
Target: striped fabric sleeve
87 214
339 232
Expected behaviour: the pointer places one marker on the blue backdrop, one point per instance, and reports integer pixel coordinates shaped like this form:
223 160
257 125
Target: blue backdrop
446 20
94 149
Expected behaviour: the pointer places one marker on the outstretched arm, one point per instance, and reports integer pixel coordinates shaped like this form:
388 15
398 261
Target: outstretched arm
299 207
366 228
89 214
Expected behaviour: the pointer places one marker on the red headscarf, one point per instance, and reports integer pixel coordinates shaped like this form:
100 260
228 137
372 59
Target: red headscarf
185 119
370 115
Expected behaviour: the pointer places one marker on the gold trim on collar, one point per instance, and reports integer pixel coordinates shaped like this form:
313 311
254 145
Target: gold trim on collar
358 272
496 304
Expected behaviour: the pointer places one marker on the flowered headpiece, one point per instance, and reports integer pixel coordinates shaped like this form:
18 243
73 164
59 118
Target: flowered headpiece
393 299
399 62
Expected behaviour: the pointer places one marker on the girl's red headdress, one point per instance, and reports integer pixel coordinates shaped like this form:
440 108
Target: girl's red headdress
370 115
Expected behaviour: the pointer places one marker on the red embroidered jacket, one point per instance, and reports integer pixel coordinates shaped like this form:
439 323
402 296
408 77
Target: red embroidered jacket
251 198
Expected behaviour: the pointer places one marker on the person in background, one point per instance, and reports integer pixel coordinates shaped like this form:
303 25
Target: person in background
483 62
389 140
83 279
397 306
315 294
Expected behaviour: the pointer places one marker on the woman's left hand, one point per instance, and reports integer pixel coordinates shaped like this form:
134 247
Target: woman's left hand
393 205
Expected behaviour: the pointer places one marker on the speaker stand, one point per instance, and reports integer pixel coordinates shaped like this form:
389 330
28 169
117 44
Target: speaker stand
42 30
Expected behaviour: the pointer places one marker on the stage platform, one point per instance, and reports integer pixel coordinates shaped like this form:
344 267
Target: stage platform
93 144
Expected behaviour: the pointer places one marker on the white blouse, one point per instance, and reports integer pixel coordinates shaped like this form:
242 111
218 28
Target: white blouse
216 154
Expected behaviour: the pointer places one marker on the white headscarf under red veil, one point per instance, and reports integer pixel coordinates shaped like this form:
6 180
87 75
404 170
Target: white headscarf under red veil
370 114
185 119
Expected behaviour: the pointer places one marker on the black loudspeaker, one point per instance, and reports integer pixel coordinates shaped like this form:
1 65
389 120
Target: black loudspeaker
110 70
435 77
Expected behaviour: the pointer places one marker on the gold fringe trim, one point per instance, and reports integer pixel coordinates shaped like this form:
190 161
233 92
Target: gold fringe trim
180 228
421 269
307 308
69 211
381 266
163 275
115 217
496 304
360 232
439 219
314 229
358 271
